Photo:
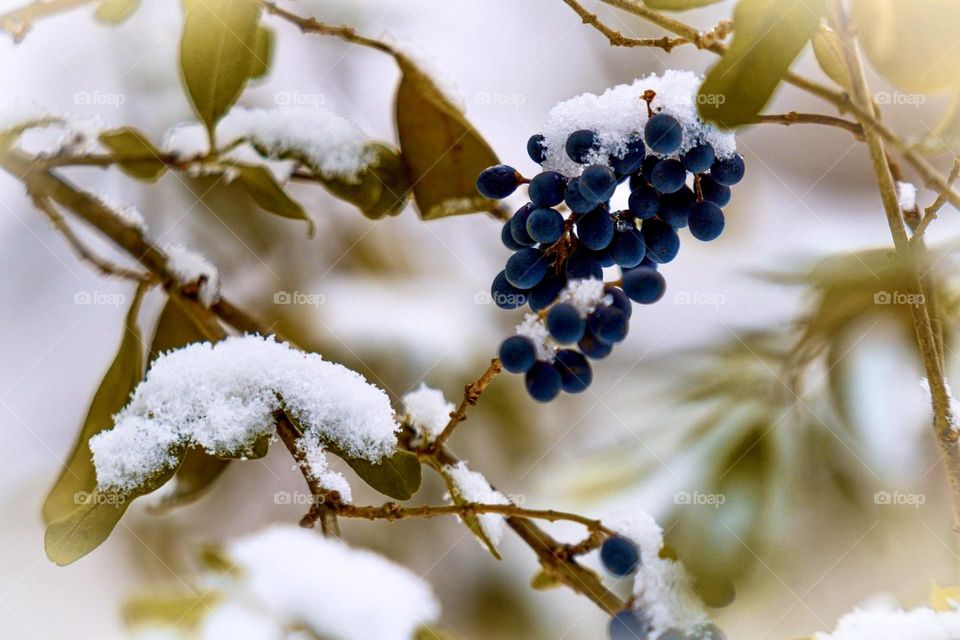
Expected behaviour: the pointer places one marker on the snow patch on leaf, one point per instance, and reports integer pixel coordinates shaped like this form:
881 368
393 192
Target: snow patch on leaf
332 589
471 486
427 411
223 398
191 268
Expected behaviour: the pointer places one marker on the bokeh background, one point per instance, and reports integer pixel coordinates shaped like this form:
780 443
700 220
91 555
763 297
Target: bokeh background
800 532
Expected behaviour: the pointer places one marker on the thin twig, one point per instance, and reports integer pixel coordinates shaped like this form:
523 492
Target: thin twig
930 213
324 505
793 117
19 21
471 394
616 38
312 25
84 252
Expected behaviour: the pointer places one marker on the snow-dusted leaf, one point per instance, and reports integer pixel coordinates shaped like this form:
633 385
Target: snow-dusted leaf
218 53
442 151
466 486
116 11
142 158
678 5
76 534
259 183
397 476
79 478
381 189
768 35
828 50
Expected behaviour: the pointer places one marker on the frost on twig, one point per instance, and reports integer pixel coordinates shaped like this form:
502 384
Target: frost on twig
287 577
954 406
193 270
223 398
428 412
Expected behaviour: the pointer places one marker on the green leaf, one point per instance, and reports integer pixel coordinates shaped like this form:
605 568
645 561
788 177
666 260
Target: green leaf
768 36
543 581
143 159
382 188
79 477
184 610
199 469
218 54
262 53
442 151
471 520
260 185
678 5
116 11
829 52
76 534
398 476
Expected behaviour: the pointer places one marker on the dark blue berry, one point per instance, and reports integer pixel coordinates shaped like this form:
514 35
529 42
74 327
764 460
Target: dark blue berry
545 226
595 229
699 158
604 257
628 625
547 189
675 207
582 265
668 176
498 181
713 191
518 225
673 634
630 158
647 262
644 201
646 168
535 148
592 347
575 372
526 268
517 354
543 382
543 295
661 240
597 183
709 631
644 285
565 324
506 237
663 133
728 171
620 300
628 248
608 324
620 555
505 295
706 221
580 144
577 202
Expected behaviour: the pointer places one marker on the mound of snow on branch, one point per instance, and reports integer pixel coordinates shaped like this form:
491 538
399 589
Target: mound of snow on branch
427 411
223 398
896 624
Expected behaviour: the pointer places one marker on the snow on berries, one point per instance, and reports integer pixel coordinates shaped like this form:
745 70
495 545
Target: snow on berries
678 169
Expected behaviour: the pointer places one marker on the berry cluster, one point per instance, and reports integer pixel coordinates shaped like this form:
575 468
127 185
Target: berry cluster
621 557
670 189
